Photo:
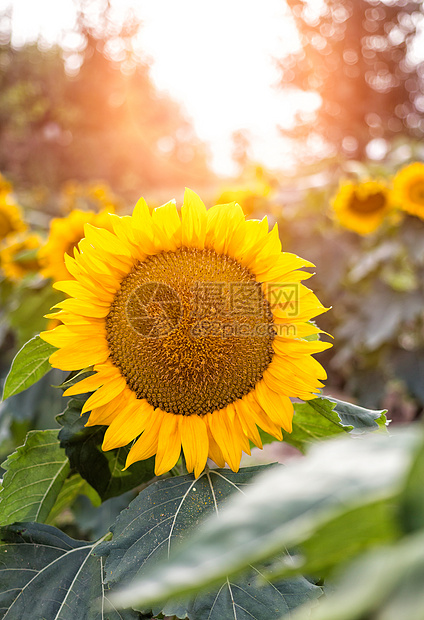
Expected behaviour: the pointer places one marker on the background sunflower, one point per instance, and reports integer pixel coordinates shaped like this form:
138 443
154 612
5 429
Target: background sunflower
18 256
64 235
10 217
408 189
362 206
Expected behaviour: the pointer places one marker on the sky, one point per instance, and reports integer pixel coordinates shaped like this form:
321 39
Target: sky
217 58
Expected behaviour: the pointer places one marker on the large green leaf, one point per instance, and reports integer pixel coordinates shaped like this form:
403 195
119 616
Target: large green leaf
167 514
281 509
385 584
46 574
338 539
102 470
324 417
35 475
28 366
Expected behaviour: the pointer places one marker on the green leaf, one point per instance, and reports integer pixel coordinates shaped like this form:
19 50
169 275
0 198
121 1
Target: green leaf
46 574
386 583
167 514
360 418
337 540
335 417
283 507
411 505
35 474
73 486
308 427
102 470
28 366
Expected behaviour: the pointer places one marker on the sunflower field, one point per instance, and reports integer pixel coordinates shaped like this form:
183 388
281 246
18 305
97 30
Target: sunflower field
212 396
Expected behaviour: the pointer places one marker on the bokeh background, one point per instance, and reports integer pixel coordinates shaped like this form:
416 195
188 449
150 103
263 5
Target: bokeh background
281 105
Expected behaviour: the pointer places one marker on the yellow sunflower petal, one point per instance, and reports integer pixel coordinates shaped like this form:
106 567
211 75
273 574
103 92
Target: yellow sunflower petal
278 407
104 240
193 221
286 387
265 257
147 444
169 443
298 348
105 414
85 308
105 394
214 452
222 223
227 436
89 384
195 443
132 420
74 358
254 238
62 335
167 227
247 421
284 264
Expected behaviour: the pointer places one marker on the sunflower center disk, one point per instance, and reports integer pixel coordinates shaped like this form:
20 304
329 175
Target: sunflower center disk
190 330
368 204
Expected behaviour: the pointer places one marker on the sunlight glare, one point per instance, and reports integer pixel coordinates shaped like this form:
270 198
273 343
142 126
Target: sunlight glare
218 59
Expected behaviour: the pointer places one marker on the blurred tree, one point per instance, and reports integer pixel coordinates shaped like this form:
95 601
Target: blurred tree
359 56
89 110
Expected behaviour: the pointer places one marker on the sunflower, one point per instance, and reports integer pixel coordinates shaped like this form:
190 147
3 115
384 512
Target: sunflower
250 201
362 206
5 186
65 233
18 255
10 217
253 195
408 189
195 326
91 197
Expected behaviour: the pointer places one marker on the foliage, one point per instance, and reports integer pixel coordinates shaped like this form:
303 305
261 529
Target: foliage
34 489
29 365
310 504
46 478
47 573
